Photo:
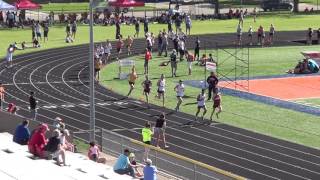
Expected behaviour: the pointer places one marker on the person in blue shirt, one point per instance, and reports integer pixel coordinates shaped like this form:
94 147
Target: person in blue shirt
150 171
123 165
22 133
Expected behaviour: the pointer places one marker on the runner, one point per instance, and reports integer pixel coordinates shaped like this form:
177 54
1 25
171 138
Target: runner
129 44
159 130
68 29
146 84
132 79
2 93
180 93
173 61
9 58
271 34
97 67
118 31
38 30
107 51
33 106
216 105
146 138
119 46
147 57
201 104
161 88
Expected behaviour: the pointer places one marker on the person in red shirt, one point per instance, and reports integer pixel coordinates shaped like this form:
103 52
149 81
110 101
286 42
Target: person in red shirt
38 141
216 105
147 57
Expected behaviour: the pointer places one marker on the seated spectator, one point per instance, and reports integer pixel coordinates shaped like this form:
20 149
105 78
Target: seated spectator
304 67
203 60
133 161
54 149
150 171
12 108
123 165
22 133
65 144
38 140
58 123
94 154
35 43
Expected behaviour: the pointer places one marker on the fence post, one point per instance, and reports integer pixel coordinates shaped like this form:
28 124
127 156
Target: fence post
194 171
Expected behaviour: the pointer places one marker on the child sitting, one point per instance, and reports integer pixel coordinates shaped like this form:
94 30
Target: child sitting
94 153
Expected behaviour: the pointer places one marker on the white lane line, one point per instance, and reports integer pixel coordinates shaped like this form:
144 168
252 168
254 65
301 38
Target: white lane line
53 82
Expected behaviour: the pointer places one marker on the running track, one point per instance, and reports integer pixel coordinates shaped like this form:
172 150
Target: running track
60 79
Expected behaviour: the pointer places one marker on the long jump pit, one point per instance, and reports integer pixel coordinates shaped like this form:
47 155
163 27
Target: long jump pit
279 91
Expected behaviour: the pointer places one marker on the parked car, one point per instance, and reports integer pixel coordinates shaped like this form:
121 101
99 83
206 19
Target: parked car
272 5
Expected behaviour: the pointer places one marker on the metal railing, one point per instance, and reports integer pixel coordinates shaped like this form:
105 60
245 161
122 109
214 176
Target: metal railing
171 163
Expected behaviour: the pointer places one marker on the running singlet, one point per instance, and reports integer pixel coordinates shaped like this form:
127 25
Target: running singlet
162 85
147 84
201 100
216 101
180 90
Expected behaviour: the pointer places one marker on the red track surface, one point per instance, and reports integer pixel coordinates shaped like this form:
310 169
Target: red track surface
282 88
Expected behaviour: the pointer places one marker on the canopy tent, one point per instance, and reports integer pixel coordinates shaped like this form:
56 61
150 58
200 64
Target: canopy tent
126 3
26 5
6 6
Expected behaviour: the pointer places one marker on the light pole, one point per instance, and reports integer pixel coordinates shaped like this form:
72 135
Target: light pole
91 77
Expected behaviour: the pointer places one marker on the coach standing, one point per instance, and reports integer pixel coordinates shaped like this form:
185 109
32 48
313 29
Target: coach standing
212 81
33 105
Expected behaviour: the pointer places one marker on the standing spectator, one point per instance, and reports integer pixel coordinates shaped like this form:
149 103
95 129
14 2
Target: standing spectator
271 34
201 104
33 29
68 29
250 34
22 133
107 51
197 49
33 106
318 36
173 61
38 140
159 42
58 123
149 42
119 46
239 34
146 84
2 93
188 25
190 59
146 25
254 13
137 28
147 58
150 171
94 153
54 149
179 88
169 24
176 43
123 165
261 36
146 133
178 22
118 30
132 79
97 67
159 130
74 29
164 45
38 30
181 47
309 36
161 88
45 31
10 52
212 81
241 17
129 44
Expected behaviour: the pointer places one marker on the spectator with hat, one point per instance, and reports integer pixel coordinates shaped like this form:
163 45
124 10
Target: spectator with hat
38 141
123 164
150 171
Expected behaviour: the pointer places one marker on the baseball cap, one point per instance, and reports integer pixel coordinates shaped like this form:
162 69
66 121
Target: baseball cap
148 162
131 155
44 126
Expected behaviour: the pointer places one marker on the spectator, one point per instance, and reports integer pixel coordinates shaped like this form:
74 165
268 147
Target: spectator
2 93
254 13
146 138
212 81
33 106
35 43
164 45
118 30
309 36
181 47
33 29
159 42
123 165
250 34
133 162
65 144
54 149
197 49
146 25
22 133
38 30
159 130
68 29
271 34
190 59
107 51
45 31
169 24
58 123
74 29
38 140
150 171
147 58
137 28
239 34
94 153
318 36
12 108
261 36
173 61
10 52
188 25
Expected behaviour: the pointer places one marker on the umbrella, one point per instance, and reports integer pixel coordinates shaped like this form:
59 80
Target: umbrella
126 3
26 5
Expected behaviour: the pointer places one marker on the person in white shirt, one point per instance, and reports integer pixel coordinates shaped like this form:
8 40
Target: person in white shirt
180 93
250 34
201 104
107 51
9 58
239 34
161 88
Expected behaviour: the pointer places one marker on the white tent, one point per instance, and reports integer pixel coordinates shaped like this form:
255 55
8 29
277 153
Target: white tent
6 6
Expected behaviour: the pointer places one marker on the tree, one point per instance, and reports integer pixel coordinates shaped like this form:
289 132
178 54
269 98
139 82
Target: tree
295 5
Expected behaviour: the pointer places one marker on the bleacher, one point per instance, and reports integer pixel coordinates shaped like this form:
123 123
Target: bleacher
18 163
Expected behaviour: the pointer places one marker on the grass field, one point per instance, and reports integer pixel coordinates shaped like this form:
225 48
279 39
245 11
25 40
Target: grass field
283 22
277 122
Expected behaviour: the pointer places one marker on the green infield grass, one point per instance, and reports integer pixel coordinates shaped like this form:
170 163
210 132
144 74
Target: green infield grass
266 119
